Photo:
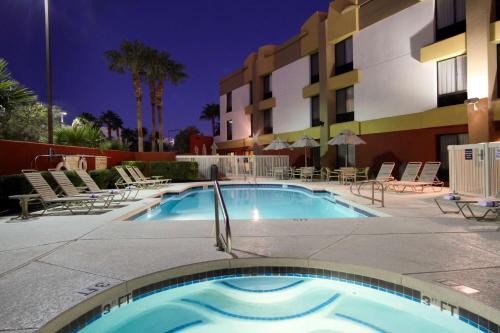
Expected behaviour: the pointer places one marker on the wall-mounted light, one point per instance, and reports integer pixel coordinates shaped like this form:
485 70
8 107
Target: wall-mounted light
472 101
321 123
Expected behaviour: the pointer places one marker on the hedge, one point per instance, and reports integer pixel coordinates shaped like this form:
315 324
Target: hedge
178 171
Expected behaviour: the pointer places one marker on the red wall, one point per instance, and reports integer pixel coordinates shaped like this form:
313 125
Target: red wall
18 155
402 146
198 141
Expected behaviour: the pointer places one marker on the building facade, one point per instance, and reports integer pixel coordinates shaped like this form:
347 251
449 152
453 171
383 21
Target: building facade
410 77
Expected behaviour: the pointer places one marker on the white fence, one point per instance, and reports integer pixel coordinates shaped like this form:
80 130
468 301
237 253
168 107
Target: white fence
475 169
236 166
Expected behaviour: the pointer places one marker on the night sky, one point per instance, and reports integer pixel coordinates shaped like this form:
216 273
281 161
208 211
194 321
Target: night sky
211 37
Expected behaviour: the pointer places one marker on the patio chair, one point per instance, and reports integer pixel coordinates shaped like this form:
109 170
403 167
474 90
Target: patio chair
328 174
279 172
384 175
66 186
92 186
348 174
306 173
427 178
159 179
126 182
362 173
49 198
409 175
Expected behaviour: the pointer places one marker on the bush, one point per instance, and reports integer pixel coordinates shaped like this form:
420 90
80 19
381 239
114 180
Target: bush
177 171
105 178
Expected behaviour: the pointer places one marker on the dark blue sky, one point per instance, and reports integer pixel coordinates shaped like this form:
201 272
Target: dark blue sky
211 37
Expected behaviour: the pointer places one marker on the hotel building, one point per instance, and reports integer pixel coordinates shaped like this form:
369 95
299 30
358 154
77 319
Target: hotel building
410 77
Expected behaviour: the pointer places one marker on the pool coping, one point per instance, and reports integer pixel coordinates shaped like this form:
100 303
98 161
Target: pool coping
109 297
361 209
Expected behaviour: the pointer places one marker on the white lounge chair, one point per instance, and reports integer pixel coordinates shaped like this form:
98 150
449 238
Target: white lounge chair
92 186
409 175
427 178
49 198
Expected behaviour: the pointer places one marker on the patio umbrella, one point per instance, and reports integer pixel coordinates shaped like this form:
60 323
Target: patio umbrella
204 150
278 145
214 149
346 137
305 142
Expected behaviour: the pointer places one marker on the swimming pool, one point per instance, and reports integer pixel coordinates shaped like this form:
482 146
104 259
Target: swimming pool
252 202
298 303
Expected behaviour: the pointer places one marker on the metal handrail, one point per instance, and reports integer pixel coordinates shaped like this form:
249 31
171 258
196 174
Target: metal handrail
223 242
373 183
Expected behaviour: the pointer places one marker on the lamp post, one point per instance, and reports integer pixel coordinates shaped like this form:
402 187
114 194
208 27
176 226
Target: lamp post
48 55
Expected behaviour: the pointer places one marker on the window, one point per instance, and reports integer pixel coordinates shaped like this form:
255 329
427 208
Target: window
268 121
315 121
452 81
345 105
229 102
343 56
450 18
346 152
497 10
229 130
250 93
314 68
266 87
443 142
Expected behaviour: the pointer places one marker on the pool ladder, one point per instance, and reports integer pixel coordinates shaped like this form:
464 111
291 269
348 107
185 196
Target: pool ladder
375 186
222 239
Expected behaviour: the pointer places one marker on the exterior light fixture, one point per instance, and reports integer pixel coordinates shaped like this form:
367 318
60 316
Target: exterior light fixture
472 101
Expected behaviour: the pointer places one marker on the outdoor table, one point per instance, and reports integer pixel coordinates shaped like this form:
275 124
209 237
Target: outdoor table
24 200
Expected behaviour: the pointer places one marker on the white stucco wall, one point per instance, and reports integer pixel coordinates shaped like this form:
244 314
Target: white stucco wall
393 81
292 111
241 121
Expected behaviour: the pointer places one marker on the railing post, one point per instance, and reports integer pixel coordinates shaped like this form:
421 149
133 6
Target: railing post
217 227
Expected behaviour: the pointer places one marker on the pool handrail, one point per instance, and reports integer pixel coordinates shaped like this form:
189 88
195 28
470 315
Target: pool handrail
223 242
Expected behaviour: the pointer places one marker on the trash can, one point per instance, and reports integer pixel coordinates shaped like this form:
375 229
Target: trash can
214 171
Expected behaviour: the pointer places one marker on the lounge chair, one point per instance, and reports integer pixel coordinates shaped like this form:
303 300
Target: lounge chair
137 178
49 198
66 186
479 210
384 175
427 178
409 175
125 182
92 186
159 179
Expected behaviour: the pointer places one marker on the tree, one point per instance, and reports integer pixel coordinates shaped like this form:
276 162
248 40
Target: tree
12 96
181 141
152 75
170 71
112 121
29 123
211 112
84 136
90 119
131 57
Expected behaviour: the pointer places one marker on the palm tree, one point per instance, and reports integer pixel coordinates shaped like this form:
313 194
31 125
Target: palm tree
152 75
211 112
112 121
89 117
170 71
131 57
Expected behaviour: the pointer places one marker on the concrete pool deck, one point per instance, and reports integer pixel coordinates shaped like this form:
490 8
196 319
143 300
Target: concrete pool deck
48 263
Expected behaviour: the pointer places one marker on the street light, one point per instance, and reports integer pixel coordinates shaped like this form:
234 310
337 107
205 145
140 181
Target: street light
48 55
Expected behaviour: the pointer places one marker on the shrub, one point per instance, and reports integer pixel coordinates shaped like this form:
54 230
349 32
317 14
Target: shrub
85 136
105 178
177 171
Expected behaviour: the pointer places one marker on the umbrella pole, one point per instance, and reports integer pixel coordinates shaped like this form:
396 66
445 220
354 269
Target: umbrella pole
346 155
305 156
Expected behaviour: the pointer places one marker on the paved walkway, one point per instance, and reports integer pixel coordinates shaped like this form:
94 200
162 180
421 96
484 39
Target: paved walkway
47 263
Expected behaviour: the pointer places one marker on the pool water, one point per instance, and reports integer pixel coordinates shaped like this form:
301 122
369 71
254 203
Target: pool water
276 304
251 203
